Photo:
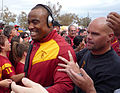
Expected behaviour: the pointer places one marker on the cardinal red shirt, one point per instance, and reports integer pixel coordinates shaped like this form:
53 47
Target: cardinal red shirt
19 68
44 63
6 71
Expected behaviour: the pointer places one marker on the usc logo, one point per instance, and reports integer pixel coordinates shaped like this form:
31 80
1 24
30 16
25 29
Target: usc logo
43 54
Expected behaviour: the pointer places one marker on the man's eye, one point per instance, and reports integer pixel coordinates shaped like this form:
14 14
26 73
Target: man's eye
35 22
95 34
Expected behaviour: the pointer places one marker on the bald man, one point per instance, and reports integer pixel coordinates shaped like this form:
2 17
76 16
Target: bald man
100 63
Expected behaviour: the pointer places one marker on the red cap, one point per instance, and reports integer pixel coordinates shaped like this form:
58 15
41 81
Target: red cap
16 25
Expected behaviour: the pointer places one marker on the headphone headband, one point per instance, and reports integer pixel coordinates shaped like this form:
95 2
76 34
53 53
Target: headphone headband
50 18
46 7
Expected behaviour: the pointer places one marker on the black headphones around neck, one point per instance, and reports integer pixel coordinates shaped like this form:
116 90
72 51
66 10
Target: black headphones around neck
50 18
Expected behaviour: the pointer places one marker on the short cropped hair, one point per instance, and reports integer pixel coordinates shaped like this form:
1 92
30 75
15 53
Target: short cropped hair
70 26
7 30
2 41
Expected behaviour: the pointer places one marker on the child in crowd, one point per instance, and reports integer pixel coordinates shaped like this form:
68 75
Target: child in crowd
7 71
19 54
14 39
9 31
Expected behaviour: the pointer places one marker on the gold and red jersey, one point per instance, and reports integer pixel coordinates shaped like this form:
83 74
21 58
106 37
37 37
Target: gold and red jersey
44 61
6 71
116 45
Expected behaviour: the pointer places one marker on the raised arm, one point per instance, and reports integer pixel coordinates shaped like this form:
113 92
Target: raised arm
114 22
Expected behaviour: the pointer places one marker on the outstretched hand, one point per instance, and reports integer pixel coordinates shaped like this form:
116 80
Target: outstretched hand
77 75
68 64
30 87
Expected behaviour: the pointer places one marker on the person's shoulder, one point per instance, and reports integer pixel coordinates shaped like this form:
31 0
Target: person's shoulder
114 59
4 59
114 55
63 45
61 41
82 52
4 62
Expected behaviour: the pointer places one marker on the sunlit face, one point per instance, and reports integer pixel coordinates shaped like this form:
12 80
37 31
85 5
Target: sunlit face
96 38
7 46
37 24
72 32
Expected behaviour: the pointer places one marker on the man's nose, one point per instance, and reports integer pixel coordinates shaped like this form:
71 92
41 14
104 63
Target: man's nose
89 36
30 26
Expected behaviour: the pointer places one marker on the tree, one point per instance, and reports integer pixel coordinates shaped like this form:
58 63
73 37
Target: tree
67 19
8 16
56 8
83 21
22 20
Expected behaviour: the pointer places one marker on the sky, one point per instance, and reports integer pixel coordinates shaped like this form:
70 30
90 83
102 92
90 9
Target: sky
83 8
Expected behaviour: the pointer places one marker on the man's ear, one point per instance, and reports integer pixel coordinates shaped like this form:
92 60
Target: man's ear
111 35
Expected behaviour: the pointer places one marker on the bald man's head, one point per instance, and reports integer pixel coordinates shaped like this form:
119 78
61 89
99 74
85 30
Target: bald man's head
101 23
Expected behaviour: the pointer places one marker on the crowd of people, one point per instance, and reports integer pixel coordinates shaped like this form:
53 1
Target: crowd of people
74 61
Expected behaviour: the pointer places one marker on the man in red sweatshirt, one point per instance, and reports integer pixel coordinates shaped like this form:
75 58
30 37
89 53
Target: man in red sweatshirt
47 46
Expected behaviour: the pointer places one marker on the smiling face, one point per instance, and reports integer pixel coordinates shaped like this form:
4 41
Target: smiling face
37 24
7 46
